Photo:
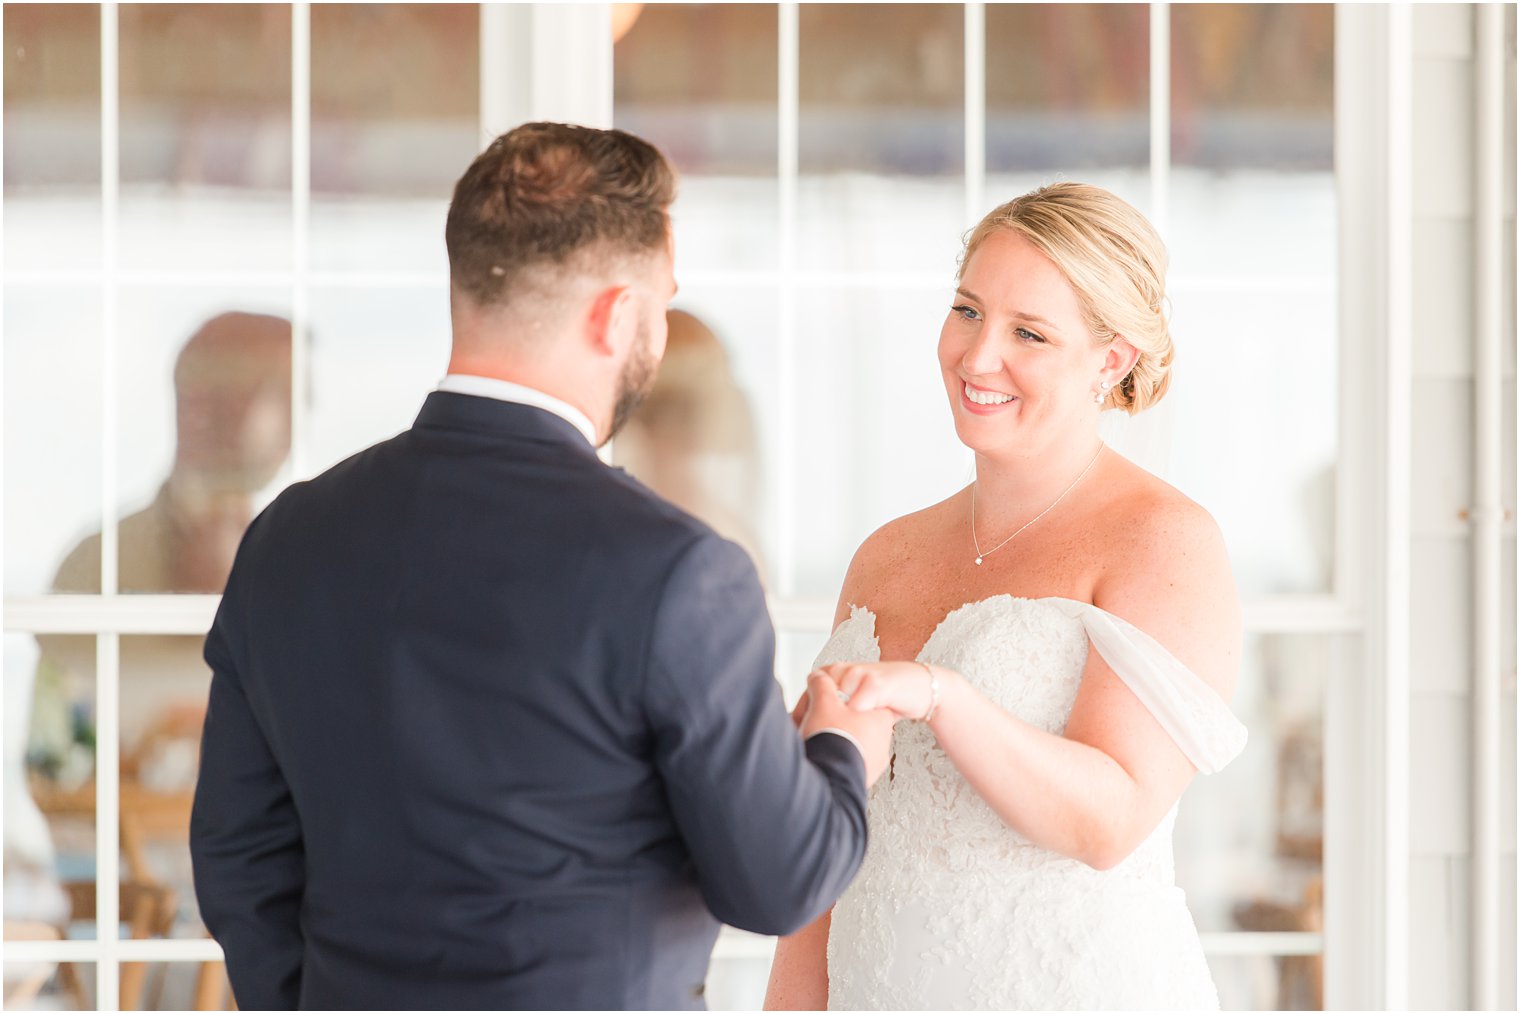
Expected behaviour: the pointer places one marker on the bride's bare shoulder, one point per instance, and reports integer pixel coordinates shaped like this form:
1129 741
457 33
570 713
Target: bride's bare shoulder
1148 525
897 549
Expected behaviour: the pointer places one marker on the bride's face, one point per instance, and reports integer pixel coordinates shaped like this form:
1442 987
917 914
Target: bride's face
1019 364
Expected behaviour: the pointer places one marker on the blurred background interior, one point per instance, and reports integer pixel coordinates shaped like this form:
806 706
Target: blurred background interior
224 271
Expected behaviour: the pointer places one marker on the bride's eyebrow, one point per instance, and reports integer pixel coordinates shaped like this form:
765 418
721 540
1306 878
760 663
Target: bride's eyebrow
1032 318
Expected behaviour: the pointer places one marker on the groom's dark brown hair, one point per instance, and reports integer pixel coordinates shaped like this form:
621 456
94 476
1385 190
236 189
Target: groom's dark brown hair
544 193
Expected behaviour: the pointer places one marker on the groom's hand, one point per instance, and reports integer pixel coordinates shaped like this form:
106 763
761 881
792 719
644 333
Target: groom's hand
871 730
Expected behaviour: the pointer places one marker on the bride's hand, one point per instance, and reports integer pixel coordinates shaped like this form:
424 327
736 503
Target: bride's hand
902 688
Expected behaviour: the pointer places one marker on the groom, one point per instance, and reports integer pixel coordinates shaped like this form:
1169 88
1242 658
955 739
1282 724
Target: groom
492 726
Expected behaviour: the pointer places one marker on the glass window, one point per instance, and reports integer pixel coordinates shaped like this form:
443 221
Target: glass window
205 136
50 726
375 355
1261 868
881 137
1068 97
52 385
52 136
699 81
395 118
203 440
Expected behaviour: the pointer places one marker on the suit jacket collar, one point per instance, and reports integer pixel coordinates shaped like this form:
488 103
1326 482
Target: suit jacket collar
450 411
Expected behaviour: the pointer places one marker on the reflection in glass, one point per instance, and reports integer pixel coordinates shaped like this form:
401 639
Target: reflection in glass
52 361
176 985
693 441
164 687
1253 130
874 435
49 985
205 434
1280 532
796 651
881 144
1068 87
395 120
376 355
1255 982
732 332
49 784
699 81
205 135
1262 870
52 135
1253 86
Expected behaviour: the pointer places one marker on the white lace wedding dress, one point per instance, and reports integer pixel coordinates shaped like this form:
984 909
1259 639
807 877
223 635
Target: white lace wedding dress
953 909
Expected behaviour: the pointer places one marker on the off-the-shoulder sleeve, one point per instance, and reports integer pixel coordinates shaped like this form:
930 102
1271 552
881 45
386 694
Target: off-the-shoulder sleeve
1198 719
854 640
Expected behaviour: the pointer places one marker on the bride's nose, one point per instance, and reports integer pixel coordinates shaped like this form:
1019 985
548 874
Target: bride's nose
982 356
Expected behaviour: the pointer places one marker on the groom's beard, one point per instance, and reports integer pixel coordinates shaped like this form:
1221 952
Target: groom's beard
636 381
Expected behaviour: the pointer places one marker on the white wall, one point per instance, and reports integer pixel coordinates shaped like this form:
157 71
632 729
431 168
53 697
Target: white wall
1441 555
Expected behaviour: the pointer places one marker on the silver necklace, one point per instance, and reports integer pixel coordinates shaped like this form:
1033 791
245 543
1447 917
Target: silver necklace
975 545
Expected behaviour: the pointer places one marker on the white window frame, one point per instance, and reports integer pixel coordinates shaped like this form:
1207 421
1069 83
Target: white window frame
555 61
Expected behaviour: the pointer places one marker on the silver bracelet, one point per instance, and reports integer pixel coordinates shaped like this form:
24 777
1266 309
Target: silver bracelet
933 692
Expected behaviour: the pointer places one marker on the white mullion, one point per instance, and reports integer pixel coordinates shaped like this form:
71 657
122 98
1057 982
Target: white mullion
300 255
1394 545
1161 114
788 118
107 822
1488 506
975 42
108 646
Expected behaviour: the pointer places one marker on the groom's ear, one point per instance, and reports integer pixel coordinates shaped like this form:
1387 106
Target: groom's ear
611 321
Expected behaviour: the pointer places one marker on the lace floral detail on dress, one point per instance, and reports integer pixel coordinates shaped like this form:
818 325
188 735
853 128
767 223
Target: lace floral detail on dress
953 909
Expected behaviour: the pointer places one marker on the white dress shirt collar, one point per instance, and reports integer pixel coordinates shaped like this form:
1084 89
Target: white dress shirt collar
505 390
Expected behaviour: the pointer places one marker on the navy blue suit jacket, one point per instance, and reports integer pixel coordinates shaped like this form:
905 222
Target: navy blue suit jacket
493 726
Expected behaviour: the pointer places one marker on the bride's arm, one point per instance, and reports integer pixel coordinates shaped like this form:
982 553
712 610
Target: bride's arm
1098 791
800 970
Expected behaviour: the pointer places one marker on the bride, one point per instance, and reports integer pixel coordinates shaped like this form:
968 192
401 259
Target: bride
1066 633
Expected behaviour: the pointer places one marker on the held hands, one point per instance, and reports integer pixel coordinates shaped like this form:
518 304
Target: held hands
823 707
907 689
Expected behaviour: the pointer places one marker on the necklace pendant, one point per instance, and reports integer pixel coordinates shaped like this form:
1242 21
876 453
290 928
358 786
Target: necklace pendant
978 561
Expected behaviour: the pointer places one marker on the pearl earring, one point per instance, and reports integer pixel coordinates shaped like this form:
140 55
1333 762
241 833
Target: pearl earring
1098 396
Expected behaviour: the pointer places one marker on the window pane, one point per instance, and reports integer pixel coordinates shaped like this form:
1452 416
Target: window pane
49 785
1262 869
52 386
1267 982
204 431
795 653
699 81
1253 86
164 687
874 436
881 144
178 985
386 147
1253 131
48 985
205 135
1068 87
52 136
706 437
376 353
1268 474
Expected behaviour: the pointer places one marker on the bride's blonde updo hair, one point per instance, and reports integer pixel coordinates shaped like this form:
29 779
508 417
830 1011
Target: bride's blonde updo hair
1116 264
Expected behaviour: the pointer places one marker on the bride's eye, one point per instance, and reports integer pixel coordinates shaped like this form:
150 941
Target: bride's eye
1028 335
966 312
